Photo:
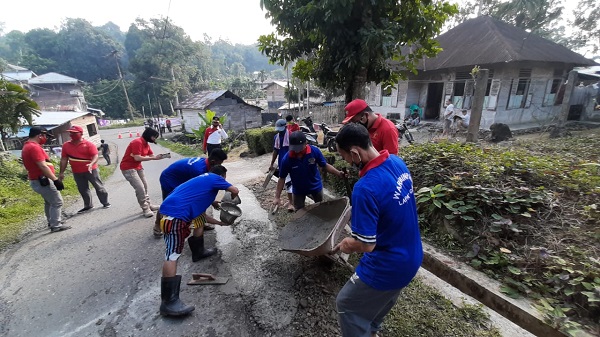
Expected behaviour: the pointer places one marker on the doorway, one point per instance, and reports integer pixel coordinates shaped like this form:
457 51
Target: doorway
435 92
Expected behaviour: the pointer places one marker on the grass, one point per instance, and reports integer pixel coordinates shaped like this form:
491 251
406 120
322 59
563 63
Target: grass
422 311
182 149
20 205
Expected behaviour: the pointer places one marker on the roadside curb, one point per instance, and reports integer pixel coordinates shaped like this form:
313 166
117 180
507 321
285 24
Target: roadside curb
484 289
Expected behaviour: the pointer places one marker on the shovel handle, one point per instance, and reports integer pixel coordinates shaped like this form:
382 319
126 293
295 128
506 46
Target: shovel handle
347 184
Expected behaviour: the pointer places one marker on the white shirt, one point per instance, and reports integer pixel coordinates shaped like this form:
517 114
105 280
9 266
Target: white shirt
217 136
449 112
466 118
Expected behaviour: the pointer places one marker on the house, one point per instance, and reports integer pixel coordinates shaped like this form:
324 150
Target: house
240 115
527 76
16 74
56 92
57 123
276 95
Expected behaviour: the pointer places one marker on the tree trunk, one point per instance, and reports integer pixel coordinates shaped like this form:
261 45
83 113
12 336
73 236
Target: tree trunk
358 84
477 107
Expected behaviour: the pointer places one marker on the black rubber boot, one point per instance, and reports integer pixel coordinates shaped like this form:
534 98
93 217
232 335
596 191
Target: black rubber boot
169 294
197 248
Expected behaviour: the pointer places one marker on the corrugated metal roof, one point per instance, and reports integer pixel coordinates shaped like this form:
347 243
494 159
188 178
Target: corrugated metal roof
485 40
203 99
279 83
17 76
48 118
13 67
53 78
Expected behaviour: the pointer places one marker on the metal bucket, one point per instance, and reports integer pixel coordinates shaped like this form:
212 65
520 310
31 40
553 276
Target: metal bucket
229 212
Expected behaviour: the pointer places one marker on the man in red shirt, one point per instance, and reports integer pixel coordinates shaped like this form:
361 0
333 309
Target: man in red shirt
382 131
291 125
42 180
83 157
213 136
131 166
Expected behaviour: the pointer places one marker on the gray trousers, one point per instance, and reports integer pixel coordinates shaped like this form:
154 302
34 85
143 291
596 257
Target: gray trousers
361 308
83 181
53 201
137 180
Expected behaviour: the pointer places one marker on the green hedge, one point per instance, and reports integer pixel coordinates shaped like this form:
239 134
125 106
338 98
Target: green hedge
260 141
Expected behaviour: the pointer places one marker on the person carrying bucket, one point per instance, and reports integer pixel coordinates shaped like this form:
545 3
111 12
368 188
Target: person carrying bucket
384 228
186 206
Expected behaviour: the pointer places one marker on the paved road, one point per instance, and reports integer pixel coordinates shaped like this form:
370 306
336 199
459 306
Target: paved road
102 277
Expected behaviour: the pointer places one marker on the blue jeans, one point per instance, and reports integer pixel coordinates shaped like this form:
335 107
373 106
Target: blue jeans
361 308
53 201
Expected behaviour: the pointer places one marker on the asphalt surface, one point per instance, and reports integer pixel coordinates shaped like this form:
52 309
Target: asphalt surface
102 277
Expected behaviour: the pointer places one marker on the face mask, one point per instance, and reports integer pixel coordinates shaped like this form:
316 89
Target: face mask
43 140
359 166
75 136
365 123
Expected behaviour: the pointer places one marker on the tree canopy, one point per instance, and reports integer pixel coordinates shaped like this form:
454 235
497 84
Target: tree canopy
346 43
16 107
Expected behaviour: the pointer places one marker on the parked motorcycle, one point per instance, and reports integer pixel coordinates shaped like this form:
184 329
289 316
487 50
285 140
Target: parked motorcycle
404 132
328 137
309 130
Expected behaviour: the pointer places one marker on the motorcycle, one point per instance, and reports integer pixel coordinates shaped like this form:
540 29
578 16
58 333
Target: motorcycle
404 132
309 130
328 137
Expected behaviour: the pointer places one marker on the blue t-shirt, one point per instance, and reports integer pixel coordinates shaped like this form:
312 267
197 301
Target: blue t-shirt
384 213
193 197
182 171
282 149
304 172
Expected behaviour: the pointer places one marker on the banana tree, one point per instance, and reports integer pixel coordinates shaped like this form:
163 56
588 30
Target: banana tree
205 122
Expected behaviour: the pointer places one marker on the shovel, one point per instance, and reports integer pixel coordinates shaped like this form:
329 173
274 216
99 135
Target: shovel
268 178
347 184
201 279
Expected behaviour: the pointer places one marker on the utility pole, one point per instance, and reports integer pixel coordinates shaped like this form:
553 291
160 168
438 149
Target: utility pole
143 113
559 130
129 107
176 91
150 105
477 107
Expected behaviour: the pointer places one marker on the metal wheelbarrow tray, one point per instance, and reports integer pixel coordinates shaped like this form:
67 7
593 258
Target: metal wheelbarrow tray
315 229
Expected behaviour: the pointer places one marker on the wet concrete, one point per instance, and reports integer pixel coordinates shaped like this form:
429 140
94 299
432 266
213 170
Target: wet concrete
312 226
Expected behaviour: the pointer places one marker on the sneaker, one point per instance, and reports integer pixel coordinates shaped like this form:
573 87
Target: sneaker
148 213
154 207
59 228
83 210
106 206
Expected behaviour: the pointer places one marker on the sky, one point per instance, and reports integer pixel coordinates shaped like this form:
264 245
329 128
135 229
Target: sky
239 21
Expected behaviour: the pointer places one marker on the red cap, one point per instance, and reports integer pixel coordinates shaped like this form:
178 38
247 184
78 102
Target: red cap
75 128
354 108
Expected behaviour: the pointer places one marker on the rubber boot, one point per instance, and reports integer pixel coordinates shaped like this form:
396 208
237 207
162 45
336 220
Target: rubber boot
197 247
169 294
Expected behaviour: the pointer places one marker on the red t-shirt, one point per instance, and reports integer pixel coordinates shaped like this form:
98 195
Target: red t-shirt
79 155
31 154
384 135
138 146
293 127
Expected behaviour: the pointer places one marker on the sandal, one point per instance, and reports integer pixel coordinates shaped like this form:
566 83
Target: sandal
208 227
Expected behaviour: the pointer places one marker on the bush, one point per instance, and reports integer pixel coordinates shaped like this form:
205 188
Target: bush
260 141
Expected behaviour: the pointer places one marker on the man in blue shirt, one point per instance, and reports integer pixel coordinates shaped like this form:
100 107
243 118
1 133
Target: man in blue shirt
281 146
302 163
182 171
186 206
384 227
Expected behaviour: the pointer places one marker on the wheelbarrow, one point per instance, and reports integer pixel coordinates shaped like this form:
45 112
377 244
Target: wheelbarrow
315 229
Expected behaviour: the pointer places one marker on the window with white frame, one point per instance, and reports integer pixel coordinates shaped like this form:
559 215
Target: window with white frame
520 97
386 95
552 88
